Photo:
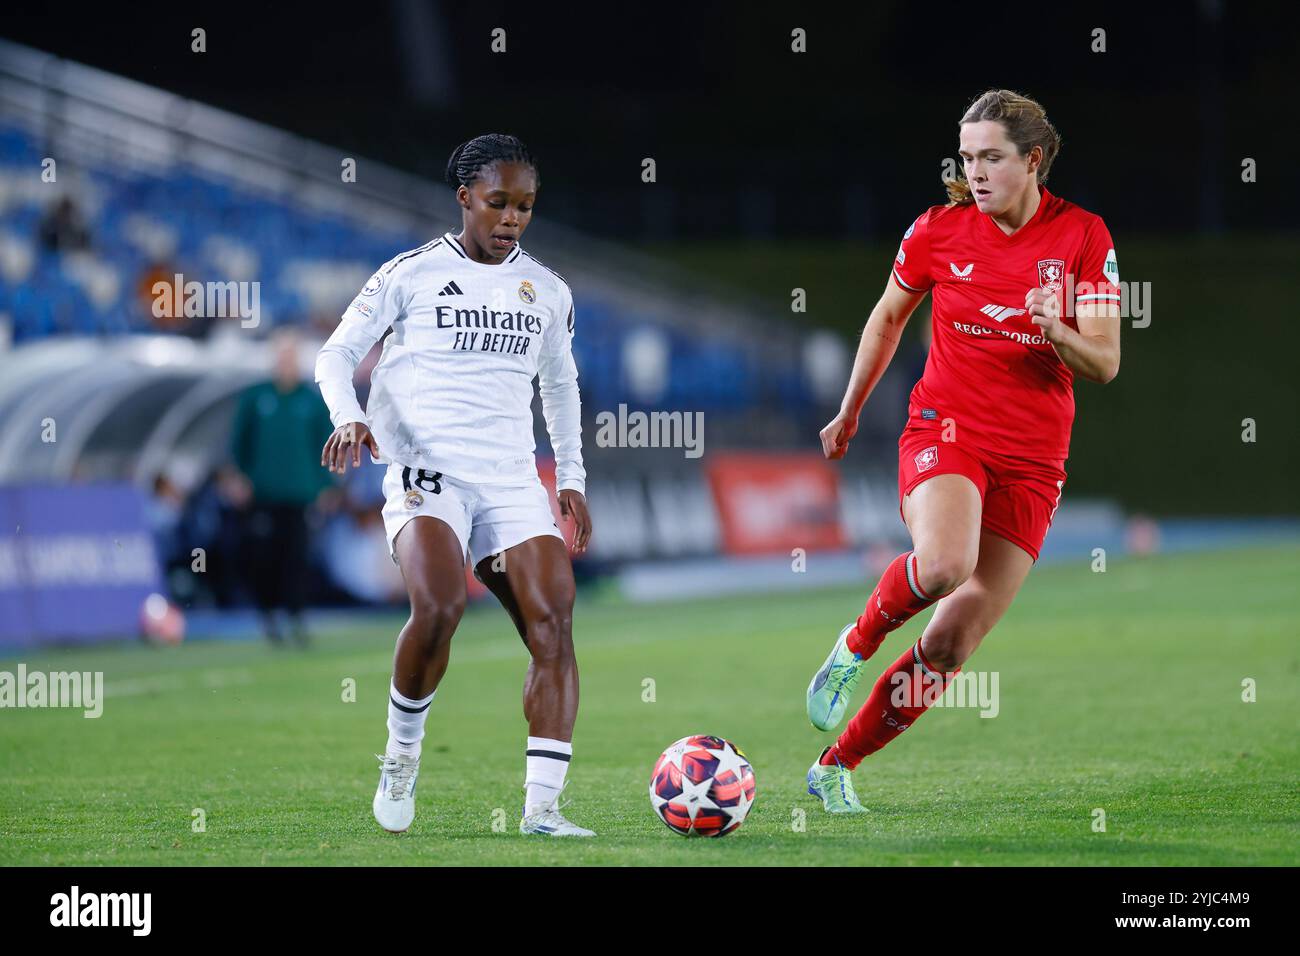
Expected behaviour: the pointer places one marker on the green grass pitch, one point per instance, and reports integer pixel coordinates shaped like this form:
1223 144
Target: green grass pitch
1119 691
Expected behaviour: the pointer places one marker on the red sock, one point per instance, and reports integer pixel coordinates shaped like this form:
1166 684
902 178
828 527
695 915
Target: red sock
897 597
894 705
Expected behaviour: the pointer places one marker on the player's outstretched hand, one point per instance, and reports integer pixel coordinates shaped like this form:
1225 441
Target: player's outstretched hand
574 506
836 435
346 443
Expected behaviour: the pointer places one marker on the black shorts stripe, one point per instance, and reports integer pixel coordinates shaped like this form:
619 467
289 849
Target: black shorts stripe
552 754
408 710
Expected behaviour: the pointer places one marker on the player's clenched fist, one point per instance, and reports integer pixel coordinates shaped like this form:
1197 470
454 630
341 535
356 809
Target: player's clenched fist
836 435
1045 312
346 442
573 504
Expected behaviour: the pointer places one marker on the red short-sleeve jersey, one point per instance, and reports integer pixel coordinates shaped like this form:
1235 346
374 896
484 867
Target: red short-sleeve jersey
990 370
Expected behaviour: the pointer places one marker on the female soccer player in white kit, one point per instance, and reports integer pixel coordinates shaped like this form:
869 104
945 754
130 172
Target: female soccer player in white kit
474 318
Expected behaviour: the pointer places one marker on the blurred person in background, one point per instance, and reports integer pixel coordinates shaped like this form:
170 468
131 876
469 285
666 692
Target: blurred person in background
62 228
161 298
278 427
211 520
355 556
354 545
163 512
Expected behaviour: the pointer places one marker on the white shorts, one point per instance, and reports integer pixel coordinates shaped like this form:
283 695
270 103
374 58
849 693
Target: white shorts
487 518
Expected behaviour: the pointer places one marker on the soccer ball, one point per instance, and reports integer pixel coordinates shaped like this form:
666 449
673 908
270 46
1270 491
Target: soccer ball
702 786
161 621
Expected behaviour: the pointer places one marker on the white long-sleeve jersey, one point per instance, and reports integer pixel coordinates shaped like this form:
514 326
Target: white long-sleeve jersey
453 389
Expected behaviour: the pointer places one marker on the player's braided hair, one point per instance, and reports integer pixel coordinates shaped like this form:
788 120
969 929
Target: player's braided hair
1026 124
469 158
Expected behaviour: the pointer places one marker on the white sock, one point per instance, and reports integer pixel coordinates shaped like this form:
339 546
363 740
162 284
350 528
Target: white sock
405 723
546 763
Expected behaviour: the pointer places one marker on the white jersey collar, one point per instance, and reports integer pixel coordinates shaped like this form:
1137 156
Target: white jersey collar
459 250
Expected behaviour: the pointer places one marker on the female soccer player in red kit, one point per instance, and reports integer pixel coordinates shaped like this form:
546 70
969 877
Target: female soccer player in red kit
1025 297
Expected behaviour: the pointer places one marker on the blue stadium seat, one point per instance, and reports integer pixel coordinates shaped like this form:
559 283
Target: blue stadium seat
704 375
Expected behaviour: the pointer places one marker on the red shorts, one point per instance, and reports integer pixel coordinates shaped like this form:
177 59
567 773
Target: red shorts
1019 495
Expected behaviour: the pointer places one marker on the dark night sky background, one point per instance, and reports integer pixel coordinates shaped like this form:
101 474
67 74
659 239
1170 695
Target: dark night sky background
779 170
751 139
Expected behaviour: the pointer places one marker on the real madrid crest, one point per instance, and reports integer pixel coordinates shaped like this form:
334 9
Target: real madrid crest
413 500
527 292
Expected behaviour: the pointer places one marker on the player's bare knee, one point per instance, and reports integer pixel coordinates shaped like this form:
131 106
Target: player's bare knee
434 621
946 649
939 574
942 654
550 636
553 626
946 665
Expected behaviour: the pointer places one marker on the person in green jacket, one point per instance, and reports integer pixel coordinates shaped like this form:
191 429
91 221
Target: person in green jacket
276 436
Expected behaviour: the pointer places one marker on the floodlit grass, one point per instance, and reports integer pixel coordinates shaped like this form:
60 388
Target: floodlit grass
1119 691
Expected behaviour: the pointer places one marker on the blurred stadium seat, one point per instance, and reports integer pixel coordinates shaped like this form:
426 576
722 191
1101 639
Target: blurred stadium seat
149 187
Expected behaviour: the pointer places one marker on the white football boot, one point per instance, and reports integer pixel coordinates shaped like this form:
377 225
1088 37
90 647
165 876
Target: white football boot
550 821
394 803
